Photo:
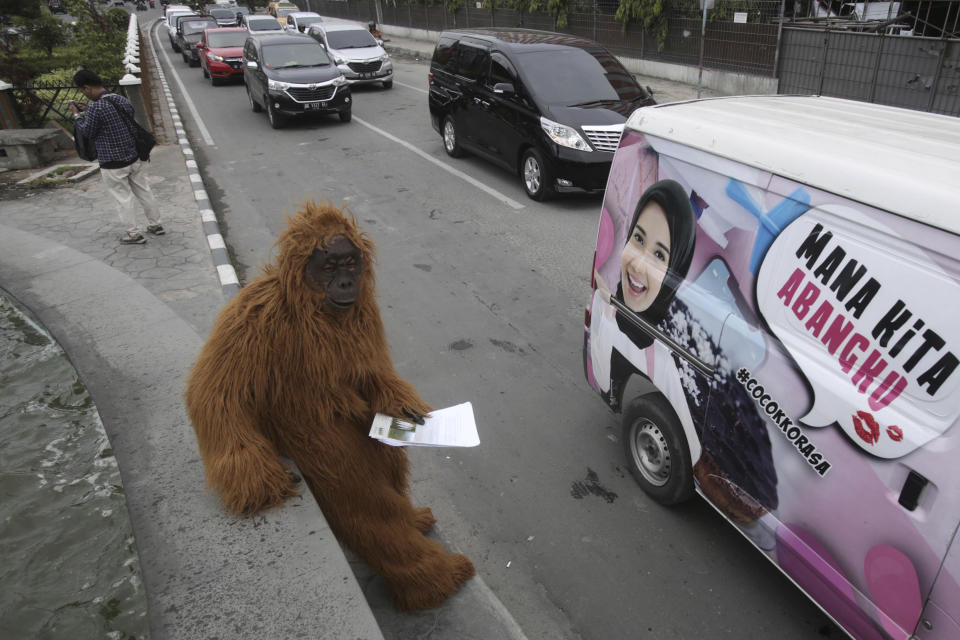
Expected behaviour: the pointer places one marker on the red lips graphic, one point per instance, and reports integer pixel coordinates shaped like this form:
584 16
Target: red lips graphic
869 432
869 429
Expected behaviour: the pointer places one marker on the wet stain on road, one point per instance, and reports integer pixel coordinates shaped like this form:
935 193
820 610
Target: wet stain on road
424 267
590 486
507 346
461 345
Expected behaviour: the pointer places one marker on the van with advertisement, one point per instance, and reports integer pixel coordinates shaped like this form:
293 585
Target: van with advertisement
775 294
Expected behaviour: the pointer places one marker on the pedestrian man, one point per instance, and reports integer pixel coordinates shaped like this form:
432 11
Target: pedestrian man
124 175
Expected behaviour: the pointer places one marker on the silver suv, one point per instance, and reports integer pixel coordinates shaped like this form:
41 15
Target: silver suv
360 57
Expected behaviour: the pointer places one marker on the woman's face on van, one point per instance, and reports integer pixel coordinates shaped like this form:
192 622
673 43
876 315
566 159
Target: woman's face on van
645 258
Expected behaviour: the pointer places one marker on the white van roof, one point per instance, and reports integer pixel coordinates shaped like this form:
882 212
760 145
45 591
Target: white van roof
912 158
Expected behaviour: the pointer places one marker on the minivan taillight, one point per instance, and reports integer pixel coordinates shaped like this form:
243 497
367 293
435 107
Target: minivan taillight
430 78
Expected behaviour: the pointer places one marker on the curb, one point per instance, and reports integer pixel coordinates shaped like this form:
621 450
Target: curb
218 249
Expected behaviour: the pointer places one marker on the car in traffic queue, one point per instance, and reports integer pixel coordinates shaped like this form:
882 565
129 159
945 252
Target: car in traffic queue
358 55
171 9
274 7
291 75
224 16
173 22
189 33
300 20
259 23
221 53
549 107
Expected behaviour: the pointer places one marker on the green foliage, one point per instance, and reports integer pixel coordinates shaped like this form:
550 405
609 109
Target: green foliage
24 8
101 39
650 14
45 32
723 11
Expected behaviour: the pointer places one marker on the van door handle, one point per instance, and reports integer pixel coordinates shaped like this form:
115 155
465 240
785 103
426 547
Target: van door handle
912 489
483 103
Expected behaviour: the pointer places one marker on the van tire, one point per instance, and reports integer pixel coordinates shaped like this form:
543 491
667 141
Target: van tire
656 450
346 116
276 119
451 140
253 103
536 178
387 84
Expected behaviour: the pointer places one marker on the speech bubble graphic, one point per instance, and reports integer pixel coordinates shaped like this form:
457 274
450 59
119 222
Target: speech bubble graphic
870 320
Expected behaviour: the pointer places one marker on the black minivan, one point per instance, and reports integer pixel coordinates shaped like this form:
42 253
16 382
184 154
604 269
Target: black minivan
291 75
549 106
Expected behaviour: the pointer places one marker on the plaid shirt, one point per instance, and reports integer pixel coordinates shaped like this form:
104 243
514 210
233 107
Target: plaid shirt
109 130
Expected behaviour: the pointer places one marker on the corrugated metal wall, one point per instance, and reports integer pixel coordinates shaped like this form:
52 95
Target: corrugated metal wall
902 71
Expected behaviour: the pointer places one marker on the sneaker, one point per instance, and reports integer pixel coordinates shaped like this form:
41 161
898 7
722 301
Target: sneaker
132 238
156 229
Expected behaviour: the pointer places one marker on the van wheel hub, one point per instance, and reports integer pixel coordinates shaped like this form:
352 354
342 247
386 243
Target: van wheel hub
651 454
449 136
531 174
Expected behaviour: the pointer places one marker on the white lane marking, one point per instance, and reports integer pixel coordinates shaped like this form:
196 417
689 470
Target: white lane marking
204 133
426 156
410 86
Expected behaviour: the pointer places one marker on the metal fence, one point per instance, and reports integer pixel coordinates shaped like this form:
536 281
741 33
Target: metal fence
40 102
911 72
835 57
741 35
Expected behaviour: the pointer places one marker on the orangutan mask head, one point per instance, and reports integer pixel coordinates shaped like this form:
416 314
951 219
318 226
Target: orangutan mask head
335 272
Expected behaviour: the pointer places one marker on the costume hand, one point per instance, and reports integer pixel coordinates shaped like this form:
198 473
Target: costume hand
413 415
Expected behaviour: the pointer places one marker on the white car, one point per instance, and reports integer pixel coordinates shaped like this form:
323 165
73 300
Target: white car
360 57
300 20
260 24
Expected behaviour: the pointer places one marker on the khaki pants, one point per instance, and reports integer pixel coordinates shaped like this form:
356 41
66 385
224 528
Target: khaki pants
126 183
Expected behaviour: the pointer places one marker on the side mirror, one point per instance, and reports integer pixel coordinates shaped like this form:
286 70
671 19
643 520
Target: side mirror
251 64
505 89
379 42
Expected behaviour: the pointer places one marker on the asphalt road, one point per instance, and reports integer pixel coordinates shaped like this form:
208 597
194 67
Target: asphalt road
482 291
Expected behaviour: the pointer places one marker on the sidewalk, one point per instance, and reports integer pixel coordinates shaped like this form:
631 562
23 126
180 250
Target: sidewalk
132 319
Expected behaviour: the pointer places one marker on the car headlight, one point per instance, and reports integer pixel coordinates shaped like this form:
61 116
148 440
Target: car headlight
274 85
339 60
339 81
563 135
210 56
384 57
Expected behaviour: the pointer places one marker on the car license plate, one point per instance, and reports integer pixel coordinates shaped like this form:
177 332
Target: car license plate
314 105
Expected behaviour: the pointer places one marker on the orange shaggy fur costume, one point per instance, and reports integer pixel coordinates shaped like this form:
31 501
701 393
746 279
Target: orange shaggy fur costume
283 375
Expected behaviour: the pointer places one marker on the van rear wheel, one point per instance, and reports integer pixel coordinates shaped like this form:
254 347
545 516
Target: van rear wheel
253 103
657 451
451 143
536 176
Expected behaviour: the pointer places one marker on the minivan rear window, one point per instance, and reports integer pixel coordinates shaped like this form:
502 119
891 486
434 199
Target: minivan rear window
288 56
227 39
572 76
352 39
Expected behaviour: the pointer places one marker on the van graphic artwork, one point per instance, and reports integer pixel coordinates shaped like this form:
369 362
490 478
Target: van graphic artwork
782 343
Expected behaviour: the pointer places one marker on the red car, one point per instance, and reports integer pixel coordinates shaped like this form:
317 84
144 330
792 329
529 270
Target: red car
221 51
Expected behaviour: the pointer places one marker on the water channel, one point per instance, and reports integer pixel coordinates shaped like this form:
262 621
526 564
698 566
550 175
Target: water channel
69 564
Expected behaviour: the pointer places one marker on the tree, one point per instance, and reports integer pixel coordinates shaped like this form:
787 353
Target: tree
45 32
650 14
24 8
